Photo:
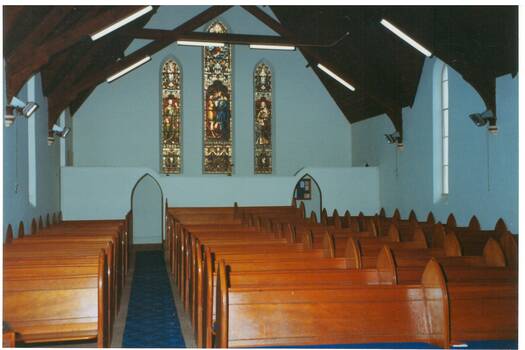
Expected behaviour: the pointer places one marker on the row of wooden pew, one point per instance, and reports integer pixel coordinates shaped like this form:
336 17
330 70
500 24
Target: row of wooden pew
52 219
63 282
265 276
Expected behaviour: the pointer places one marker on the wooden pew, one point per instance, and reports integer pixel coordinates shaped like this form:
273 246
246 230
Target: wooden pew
410 263
473 243
266 316
72 237
8 339
46 252
434 311
45 307
277 270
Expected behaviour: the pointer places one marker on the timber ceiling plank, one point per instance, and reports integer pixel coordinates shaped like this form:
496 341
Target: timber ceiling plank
70 93
390 104
479 42
39 32
87 58
20 68
19 22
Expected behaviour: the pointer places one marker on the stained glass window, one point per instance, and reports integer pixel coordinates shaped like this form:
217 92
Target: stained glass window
263 119
217 106
171 162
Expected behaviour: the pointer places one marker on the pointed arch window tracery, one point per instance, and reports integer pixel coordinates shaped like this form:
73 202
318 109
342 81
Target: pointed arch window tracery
263 118
171 132
217 74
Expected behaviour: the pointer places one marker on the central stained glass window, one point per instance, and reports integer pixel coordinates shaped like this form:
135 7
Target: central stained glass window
217 75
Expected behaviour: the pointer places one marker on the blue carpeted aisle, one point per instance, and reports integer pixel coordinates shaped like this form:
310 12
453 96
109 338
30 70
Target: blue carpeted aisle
152 320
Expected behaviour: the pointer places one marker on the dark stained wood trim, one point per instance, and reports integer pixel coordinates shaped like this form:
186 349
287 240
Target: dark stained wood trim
75 105
67 94
10 16
392 109
89 56
19 69
37 34
229 38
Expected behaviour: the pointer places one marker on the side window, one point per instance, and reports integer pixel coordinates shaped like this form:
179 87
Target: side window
31 144
444 131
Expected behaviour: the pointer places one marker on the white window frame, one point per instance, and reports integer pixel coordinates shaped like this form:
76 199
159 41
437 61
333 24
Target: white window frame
444 84
31 145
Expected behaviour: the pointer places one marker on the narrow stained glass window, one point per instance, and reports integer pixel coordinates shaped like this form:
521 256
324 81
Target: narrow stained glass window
171 118
263 119
217 73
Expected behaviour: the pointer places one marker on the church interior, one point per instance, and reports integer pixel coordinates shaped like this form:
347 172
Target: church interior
260 176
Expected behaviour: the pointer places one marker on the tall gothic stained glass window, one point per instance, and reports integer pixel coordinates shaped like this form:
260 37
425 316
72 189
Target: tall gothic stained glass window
217 106
263 119
171 162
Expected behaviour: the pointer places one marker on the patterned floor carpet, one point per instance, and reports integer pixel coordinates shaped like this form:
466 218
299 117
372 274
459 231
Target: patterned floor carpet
152 320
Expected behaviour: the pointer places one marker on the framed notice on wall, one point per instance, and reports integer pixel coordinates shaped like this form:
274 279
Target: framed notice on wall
303 189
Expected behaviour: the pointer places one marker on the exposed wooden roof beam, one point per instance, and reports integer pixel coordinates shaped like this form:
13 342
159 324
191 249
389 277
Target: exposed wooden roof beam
85 53
67 94
21 68
392 109
38 34
228 38
10 15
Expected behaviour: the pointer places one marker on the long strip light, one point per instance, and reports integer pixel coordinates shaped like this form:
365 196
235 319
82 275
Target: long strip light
198 43
272 47
128 69
121 23
335 76
406 38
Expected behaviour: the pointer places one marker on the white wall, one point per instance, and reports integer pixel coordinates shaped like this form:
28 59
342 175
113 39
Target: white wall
16 166
119 124
117 129
483 167
105 193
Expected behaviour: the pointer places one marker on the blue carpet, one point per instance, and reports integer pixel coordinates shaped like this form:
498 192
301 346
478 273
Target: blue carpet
152 318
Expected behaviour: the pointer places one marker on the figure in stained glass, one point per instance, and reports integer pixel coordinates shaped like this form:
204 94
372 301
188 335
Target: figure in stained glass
171 118
217 106
263 119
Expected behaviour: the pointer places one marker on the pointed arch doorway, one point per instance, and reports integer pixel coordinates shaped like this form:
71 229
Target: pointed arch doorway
147 207
307 191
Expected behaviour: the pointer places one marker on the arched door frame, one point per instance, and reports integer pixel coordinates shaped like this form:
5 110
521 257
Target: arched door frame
162 214
319 187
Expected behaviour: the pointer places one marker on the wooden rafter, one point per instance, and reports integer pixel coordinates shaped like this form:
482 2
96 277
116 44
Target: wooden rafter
67 94
63 65
86 54
392 108
38 34
20 68
10 16
228 38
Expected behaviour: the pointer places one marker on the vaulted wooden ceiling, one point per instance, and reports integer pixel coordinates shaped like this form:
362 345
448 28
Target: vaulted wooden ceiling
480 42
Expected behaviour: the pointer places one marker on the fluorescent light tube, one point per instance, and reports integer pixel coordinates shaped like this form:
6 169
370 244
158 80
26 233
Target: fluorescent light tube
121 23
32 107
199 43
272 47
128 69
406 38
333 75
